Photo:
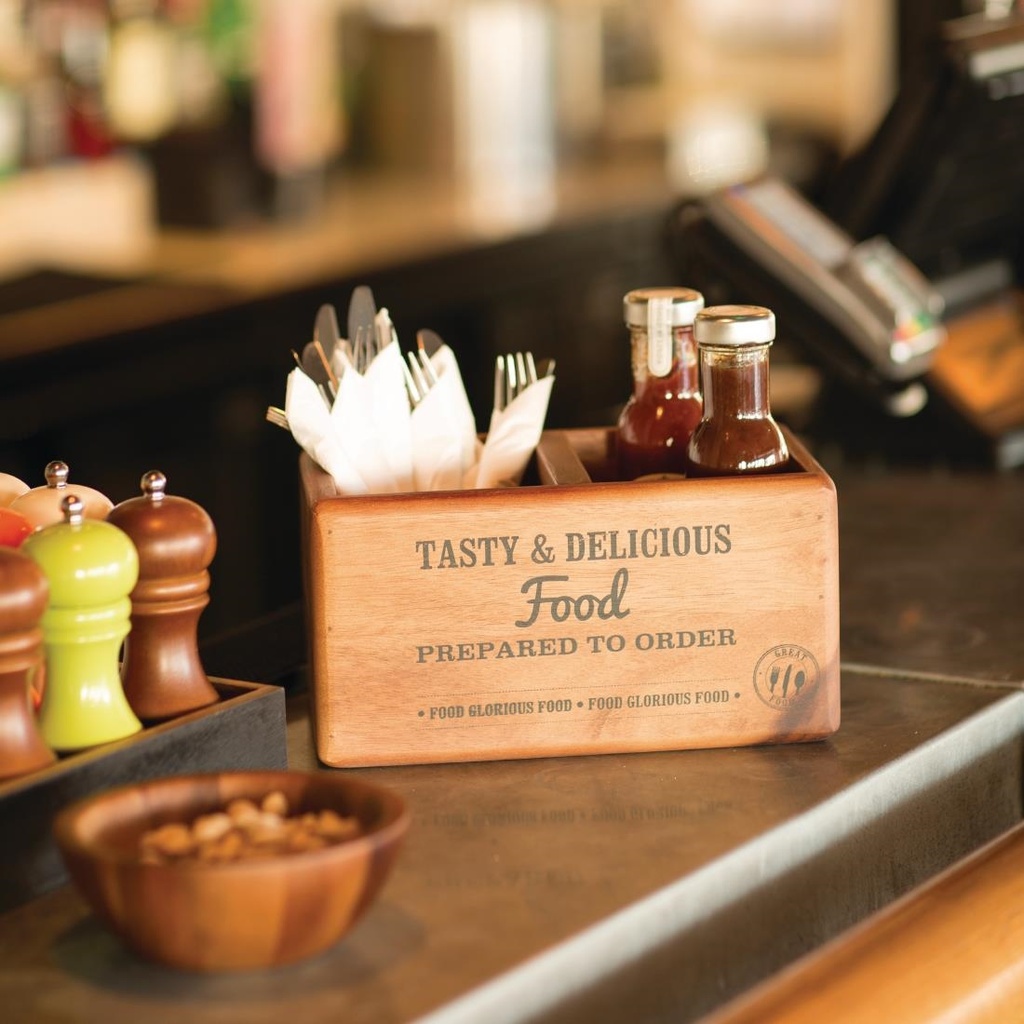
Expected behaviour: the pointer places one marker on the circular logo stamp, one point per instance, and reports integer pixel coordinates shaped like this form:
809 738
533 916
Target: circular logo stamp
785 674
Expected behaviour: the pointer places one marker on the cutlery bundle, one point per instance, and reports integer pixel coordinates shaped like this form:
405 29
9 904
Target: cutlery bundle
381 422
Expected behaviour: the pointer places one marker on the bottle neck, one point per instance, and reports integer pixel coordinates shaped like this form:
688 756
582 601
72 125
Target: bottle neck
734 381
682 375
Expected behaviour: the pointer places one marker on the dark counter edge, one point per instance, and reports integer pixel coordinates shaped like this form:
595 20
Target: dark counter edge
688 948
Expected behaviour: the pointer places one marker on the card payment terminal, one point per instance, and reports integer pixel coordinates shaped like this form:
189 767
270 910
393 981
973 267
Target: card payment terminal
861 310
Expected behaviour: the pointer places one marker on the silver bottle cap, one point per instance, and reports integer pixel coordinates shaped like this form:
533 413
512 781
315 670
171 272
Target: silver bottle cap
682 305
734 326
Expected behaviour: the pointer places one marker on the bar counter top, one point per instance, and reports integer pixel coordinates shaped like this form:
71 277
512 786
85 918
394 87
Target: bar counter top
650 887
523 884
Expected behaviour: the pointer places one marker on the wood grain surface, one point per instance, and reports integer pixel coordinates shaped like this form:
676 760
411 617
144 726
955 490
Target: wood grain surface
952 950
980 367
240 915
584 617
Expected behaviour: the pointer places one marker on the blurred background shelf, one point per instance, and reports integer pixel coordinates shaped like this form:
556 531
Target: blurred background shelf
158 265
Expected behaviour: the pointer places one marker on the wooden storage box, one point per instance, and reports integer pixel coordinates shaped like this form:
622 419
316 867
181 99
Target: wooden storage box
573 615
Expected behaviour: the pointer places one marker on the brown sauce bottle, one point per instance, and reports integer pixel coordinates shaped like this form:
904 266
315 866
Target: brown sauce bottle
656 422
737 434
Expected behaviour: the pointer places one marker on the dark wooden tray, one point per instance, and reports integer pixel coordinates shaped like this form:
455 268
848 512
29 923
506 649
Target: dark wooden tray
245 729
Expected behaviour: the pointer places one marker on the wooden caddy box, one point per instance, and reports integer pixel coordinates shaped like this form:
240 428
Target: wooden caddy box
572 615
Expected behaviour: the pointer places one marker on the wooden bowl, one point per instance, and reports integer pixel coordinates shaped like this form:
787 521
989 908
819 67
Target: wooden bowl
240 915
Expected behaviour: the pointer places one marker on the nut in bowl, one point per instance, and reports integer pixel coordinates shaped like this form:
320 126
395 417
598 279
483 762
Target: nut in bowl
156 863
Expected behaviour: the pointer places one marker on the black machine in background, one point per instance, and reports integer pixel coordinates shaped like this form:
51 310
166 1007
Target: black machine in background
941 177
902 283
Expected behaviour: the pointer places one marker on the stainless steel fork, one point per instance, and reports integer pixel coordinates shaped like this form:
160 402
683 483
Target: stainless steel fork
513 374
420 375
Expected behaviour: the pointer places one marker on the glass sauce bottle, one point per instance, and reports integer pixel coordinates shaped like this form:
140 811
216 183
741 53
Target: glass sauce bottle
665 406
737 434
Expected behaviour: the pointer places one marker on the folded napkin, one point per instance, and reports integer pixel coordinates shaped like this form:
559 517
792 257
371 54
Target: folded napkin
512 437
443 428
395 428
310 422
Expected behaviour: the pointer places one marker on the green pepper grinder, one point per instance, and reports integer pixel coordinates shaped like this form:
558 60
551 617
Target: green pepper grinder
91 566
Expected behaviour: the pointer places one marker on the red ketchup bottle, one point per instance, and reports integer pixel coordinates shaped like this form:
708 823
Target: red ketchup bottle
737 434
655 424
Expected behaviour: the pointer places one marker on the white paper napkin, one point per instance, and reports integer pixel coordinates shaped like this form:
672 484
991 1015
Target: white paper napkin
372 440
443 428
359 421
310 423
512 437
390 412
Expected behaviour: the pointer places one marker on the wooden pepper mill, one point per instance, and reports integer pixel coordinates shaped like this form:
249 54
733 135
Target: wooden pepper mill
42 505
91 567
176 542
23 595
